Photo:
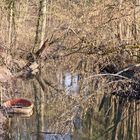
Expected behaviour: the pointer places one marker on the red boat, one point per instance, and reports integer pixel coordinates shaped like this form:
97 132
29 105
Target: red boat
18 105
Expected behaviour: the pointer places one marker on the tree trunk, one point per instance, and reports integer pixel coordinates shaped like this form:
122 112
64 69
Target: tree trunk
120 23
39 40
43 31
41 25
10 25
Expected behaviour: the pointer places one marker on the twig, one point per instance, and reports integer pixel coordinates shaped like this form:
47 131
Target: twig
82 39
118 74
128 68
107 74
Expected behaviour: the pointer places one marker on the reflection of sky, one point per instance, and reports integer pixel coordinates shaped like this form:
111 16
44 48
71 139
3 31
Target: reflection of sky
57 137
53 137
68 80
71 83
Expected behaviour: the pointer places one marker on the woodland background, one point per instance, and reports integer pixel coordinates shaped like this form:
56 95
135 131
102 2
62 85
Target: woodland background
86 37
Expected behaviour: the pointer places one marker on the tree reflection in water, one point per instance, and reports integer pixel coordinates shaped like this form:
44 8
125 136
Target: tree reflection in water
94 115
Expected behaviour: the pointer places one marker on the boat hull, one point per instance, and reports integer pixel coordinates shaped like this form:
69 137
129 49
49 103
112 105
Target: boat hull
19 105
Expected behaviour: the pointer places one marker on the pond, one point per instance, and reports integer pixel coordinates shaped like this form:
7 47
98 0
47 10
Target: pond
35 125
65 115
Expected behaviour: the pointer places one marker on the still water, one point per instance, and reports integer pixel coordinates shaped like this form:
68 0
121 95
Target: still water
34 126
67 116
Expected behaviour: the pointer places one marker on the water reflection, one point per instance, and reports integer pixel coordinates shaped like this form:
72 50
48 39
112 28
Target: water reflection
71 83
117 118
23 128
57 137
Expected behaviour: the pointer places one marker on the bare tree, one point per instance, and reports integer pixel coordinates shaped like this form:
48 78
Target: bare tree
41 24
